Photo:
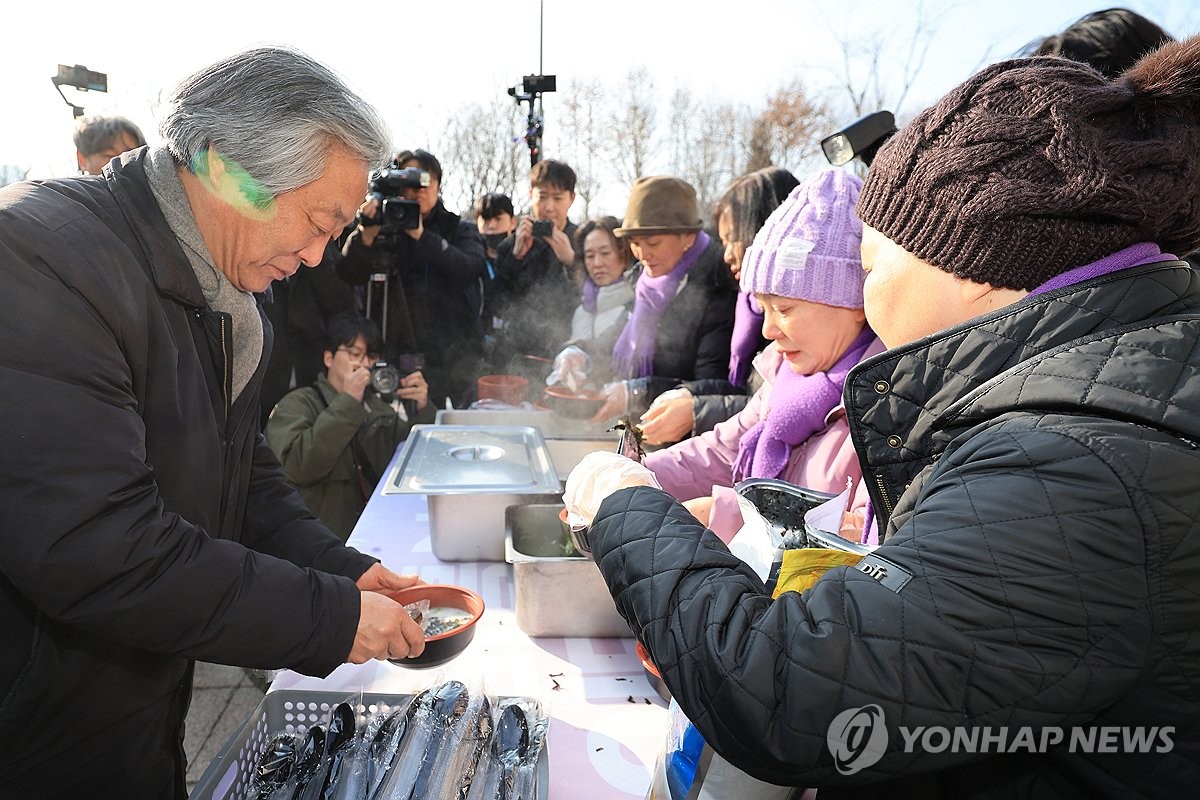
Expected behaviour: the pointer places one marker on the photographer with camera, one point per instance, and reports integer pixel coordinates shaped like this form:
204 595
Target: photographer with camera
537 282
421 265
335 438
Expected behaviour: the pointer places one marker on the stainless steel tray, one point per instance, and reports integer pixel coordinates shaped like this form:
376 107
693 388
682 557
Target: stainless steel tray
558 592
470 474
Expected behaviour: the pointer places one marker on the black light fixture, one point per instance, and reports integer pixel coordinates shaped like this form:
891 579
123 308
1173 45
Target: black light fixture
81 78
860 139
531 91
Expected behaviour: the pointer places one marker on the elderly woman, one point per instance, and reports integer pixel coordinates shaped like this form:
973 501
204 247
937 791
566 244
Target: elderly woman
804 270
683 309
607 298
1031 441
697 406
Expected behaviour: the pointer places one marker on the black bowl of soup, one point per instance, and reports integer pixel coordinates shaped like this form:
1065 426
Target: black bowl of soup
450 624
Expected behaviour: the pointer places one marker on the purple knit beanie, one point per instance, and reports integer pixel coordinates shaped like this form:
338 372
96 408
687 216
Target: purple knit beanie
808 248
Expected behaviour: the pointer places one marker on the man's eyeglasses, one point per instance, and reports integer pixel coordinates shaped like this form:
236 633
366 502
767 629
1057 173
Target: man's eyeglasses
359 355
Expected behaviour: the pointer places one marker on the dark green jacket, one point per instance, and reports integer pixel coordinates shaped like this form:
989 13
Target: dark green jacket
311 430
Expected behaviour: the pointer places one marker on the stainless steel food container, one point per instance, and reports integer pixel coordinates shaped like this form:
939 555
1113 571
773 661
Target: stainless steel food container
550 424
470 474
568 440
556 594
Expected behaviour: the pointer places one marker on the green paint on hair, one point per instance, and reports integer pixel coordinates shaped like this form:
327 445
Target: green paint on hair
245 188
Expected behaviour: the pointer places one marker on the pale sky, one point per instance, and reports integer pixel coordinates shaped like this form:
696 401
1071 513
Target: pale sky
417 60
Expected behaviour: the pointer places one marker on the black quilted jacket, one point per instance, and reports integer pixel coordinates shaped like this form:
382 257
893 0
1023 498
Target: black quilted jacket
1039 474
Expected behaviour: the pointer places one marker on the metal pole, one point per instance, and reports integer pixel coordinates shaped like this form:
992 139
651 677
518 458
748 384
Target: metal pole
541 71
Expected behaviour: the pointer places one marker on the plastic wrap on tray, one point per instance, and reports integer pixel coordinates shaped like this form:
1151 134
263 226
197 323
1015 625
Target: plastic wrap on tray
453 725
465 743
507 767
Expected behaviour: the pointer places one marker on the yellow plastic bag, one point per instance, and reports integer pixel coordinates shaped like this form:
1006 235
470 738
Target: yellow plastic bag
801 568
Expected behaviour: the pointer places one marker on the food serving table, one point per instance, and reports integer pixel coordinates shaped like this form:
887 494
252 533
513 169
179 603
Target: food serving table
607 723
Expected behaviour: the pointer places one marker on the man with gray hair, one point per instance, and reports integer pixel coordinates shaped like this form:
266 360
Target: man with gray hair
99 139
144 522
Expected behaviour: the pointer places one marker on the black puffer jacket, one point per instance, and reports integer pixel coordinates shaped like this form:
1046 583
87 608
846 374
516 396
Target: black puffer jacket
144 522
1041 468
692 339
534 299
433 298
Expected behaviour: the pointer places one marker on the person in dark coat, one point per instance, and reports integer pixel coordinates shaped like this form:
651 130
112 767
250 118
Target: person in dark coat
537 284
1030 442
696 407
423 286
683 308
99 138
144 522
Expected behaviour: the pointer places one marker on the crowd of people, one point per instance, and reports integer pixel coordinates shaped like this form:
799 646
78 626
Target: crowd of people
990 342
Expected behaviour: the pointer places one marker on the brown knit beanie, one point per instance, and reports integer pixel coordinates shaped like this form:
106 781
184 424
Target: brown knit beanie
660 204
1036 166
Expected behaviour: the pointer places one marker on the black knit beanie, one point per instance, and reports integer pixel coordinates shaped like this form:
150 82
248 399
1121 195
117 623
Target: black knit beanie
1036 166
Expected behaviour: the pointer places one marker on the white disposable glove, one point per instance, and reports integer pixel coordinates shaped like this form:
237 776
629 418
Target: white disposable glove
616 400
597 476
570 369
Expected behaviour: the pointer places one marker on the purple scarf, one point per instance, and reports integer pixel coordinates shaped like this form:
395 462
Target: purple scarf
747 334
798 408
590 292
1133 256
633 354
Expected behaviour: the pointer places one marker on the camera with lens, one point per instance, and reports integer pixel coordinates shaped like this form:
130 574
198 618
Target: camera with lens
395 213
543 227
385 378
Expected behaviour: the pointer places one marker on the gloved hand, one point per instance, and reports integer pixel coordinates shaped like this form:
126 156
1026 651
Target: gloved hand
670 417
595 477
570 369
616 399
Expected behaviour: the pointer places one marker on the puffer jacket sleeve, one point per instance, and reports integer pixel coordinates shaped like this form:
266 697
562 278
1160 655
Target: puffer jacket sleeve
459 259
279 524
1027 605
709 410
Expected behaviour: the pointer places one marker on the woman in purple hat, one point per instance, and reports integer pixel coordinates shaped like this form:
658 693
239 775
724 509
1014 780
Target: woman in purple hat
804 270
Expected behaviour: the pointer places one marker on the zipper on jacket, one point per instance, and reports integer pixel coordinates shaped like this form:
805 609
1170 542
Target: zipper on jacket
227 377
881 485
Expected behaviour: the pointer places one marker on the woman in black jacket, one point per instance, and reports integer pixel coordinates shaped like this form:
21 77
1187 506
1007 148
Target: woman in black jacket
683 309
1030 443
695 407
423 285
